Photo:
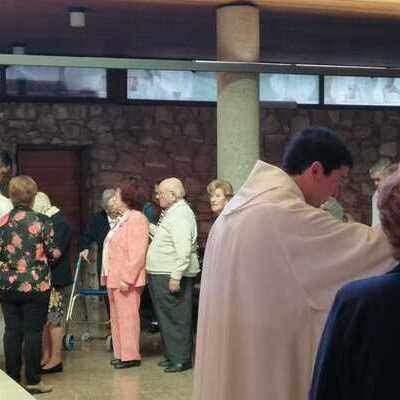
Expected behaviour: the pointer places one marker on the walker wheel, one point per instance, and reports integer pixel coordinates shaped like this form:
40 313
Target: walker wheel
109 343
69 342
85 337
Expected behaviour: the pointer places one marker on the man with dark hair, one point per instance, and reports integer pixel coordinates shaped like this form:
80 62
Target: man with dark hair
273 263
316 144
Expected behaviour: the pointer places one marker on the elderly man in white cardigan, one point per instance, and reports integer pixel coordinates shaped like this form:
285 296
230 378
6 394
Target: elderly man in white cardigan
171 265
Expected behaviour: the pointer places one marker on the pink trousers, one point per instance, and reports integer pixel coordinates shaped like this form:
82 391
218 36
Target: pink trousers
125 322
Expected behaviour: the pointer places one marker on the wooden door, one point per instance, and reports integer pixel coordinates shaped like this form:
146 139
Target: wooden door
58 173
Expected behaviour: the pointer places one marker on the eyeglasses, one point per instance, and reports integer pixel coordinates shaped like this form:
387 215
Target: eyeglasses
163 194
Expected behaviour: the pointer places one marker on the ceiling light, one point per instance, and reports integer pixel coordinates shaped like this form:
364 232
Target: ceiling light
77 17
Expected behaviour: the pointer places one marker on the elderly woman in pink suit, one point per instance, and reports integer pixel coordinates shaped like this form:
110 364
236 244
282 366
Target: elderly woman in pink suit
123 273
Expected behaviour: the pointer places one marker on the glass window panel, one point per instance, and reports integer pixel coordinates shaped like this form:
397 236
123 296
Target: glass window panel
302 89
356 90
205 86
56 81
202 86
172 85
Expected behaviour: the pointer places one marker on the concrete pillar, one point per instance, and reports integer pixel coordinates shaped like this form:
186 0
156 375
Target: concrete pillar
238 111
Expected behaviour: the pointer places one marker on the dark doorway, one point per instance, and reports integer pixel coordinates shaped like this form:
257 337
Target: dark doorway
60 173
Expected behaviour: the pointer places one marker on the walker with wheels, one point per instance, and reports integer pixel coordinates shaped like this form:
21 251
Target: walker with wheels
77 291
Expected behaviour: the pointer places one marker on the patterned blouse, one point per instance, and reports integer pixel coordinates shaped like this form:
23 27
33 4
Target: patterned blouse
26 249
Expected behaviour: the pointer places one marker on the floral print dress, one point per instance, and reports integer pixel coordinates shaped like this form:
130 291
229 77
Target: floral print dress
26 250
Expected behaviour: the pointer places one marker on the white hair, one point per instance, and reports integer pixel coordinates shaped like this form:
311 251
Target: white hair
380 166
175 186
106 196
41 203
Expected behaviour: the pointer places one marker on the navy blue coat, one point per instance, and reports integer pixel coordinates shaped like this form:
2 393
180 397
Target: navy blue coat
359 352
61 270
95 232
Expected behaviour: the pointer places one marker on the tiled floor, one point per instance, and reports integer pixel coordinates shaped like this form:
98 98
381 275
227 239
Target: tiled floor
88 375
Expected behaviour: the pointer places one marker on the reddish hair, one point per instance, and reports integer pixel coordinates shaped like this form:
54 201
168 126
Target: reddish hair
131 195
22 190
389 211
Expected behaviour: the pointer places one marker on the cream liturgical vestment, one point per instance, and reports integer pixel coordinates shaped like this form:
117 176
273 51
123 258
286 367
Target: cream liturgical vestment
271 270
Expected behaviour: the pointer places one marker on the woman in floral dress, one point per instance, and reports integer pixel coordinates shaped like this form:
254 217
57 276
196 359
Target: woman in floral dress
26 249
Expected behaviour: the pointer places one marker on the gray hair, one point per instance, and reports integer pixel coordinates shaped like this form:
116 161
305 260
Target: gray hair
380 166
175 186
106 196
41 203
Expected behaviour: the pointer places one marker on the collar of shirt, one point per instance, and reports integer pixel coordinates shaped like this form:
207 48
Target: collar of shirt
179 202
113 221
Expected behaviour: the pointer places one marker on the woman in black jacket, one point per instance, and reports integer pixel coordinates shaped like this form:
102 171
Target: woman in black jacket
61 279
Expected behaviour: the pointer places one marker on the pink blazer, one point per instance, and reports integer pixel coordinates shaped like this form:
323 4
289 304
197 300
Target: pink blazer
127 252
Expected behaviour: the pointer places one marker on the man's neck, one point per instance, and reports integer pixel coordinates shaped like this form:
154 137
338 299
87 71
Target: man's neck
303 184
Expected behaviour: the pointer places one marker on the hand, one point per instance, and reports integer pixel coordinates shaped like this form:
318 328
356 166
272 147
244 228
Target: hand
84 254
123 286
174 285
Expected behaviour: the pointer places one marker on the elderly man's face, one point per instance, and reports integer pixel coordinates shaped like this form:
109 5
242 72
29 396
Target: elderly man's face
166 196
377 179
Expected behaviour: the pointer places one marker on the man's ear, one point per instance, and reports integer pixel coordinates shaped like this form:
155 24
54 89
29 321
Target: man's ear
317 169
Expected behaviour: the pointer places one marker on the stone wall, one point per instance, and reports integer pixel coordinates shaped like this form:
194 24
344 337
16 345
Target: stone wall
146 142
370 135
154 142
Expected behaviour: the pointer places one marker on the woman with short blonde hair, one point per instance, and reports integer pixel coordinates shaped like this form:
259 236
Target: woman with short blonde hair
220 192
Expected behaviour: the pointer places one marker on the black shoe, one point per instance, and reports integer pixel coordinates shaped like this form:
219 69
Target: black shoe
178 367
115 361
164 363
154 327
52 370
127 364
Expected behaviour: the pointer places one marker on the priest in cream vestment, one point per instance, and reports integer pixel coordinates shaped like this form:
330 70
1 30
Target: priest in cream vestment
273 264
